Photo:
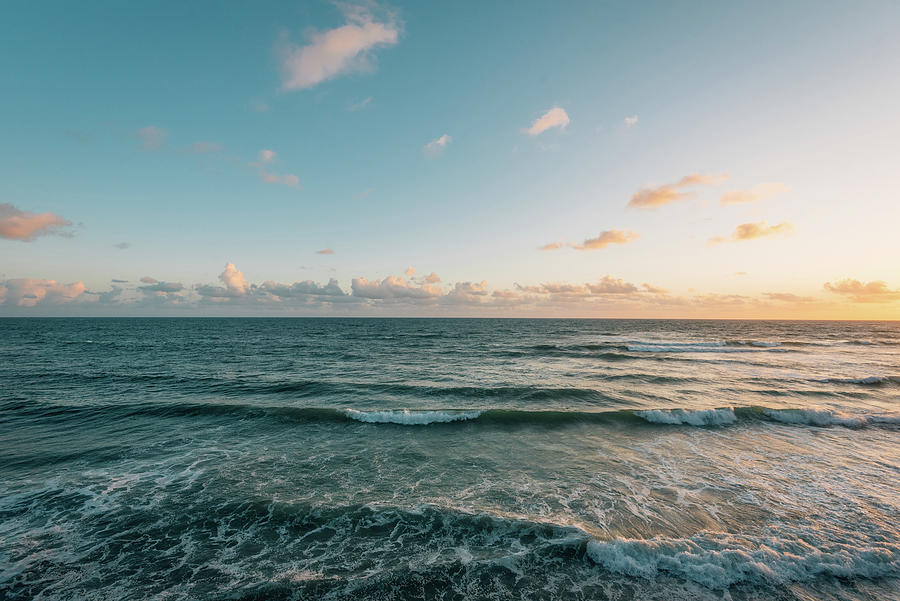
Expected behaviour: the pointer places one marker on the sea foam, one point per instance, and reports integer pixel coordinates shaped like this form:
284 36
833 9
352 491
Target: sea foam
698 417
410 418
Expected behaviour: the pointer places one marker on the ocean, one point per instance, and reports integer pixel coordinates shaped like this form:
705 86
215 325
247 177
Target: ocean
449 459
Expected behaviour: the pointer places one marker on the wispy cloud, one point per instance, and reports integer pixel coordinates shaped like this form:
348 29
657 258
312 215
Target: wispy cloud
436 146
631 121
267 157
122 245
757 192
357 106
606 238
555 117
338 51
16 224
751 231
650 197
325 251
870 292
152 137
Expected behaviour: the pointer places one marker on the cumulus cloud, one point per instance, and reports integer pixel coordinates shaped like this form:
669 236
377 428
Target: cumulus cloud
751 231
607 285
236 284
338 51
631 121
757 192
156 286
787 297
304 288
555 117
152 137
606 238
28 292
325 251
869 292
16 224
266 157
650 197
392 287
432 278
436 146
410 272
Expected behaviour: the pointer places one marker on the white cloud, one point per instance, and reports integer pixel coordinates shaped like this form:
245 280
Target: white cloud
631 121
338 51
555 117
436 147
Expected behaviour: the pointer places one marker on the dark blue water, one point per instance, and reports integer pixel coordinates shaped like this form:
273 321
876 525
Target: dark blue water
449 459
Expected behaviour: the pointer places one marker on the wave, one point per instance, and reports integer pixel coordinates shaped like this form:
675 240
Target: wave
712 417
718 561
868 380
701 348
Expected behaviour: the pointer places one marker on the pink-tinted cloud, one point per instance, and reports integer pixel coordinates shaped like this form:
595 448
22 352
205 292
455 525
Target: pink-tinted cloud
751 231
606 238
432 278
338 51
28 292
392 287
555 117
16 224
757 192
869 292
651 197
325 251
551 246
436 146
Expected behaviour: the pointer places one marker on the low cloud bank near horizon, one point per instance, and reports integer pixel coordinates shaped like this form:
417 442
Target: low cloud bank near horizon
398 295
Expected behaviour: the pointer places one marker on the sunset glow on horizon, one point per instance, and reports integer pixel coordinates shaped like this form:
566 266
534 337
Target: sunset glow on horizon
462 160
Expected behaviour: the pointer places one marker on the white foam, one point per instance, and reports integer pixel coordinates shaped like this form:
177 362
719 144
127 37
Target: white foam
699 348
410 418
817 417
719 561
698 417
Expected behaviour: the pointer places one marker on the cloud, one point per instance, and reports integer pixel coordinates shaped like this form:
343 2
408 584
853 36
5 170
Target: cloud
607 285
432 278
631 121
16 224
436 146
28 292
410 272
304 288
152 137
649 197
467 292
154 286
266 157
751 231
551 246
357 106
202 147
260 107
555 117
338 51
236 284
606 238
757 192
122 245
274 178
654 289
325 251
872 292
787 297
115 281
392 287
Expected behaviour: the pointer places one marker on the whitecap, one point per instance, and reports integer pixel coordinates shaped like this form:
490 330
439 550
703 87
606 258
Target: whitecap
410 418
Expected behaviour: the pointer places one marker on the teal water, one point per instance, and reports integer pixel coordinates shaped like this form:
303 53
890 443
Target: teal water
449 459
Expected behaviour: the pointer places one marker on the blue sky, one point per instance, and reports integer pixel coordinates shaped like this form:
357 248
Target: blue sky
144 124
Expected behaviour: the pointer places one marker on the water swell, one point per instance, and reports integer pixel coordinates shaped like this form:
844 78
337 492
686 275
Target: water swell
712 417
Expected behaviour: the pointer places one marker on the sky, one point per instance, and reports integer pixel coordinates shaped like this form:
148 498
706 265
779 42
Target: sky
583 159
